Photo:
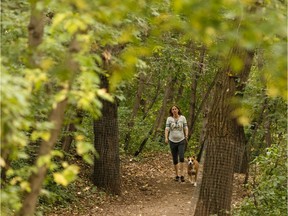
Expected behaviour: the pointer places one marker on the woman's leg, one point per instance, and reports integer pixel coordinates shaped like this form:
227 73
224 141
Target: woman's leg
181 150
174 152
176 169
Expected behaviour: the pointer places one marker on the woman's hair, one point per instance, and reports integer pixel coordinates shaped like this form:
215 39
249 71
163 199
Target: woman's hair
170 110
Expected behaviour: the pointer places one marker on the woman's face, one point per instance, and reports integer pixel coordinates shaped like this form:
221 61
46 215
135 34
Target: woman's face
174 110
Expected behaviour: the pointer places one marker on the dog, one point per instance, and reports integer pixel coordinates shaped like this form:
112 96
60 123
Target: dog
192 169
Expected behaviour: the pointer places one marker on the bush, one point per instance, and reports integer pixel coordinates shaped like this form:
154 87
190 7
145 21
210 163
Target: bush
268 189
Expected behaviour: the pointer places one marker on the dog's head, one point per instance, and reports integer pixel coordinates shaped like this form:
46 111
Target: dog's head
191 160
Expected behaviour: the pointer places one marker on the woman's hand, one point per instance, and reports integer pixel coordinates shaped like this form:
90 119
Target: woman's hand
166 140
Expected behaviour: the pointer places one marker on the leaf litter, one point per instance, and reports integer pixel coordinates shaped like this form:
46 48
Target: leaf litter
148 188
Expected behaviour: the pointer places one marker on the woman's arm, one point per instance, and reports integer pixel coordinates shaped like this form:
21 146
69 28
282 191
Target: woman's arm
166 135
186 132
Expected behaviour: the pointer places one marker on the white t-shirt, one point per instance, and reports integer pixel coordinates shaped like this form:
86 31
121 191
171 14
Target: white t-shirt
175 127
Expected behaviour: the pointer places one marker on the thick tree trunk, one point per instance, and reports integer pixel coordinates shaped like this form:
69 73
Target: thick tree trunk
203 140
222 139
107 165
240 147
106 141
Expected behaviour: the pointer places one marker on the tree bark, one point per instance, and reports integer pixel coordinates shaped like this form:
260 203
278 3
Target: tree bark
106 141
222 140
56 118
71 129
203 139
37 177
35 31
107 165
203 103
268 136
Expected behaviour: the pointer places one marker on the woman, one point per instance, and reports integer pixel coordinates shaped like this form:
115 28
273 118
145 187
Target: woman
176 125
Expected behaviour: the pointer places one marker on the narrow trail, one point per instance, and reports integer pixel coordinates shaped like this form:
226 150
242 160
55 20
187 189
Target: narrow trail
170 198
148 189
160 195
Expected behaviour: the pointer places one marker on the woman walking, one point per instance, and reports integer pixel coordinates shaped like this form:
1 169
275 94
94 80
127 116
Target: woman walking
176 133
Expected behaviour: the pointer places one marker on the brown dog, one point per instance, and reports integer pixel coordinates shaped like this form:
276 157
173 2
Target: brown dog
192 169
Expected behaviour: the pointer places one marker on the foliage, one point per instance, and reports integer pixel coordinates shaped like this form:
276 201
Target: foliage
152 38
30 93
268 188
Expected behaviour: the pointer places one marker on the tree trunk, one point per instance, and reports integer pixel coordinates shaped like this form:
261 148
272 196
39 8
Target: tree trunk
56 118
267 128
135 110
222 140
246 159
203 103
67 140
203 139
107 165
160 119
37 177
192 111
35 30
71 129
106 134
156 128
153 101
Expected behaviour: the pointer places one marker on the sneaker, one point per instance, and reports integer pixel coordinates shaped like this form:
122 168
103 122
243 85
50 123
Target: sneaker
182 179
177 178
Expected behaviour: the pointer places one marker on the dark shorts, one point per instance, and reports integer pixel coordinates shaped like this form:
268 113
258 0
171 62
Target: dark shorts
177 151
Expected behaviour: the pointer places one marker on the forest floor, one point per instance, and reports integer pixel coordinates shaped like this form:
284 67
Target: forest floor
148 188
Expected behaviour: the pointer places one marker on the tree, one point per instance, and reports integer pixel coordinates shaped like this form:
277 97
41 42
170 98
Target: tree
59 70
192 109
222 139
106 173
136 107
70 130
161 114
45 75
56 118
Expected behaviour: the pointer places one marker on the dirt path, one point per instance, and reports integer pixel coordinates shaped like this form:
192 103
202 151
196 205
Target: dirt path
158 195
148 189
170 198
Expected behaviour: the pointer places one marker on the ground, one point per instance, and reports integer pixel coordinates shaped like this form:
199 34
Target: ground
148 188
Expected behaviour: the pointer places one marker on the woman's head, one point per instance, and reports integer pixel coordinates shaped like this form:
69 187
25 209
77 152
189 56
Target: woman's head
174 108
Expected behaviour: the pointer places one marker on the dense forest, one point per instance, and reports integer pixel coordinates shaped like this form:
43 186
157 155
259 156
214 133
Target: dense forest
91 82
